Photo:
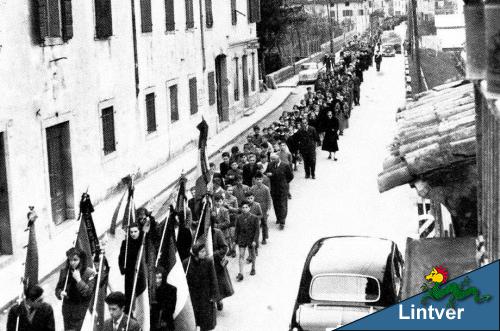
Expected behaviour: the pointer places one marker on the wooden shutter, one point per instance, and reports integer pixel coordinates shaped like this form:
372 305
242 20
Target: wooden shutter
146 21
150 112
234 16
208 13
174 105
193 96
103 19
189 14
211 88
108 130
253 11
43 27
169 15
67 20
236 80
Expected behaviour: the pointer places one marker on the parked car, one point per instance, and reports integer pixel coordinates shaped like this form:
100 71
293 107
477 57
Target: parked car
388 50
393 39
308 72
344 279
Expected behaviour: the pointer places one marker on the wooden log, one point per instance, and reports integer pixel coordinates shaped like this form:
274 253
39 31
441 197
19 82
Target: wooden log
464 148
391 161
393 177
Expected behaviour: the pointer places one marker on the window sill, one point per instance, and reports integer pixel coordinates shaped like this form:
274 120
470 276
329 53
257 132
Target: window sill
52 41
104 38
170 32
152 135
191 30
109 157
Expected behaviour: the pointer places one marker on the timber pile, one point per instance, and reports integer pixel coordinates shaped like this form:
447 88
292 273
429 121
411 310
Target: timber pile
433 132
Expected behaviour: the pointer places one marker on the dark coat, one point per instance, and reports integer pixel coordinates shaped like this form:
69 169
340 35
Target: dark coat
184 242
129 271
221 220
223 168
281 175
203 295
307 140
76 303
246 230
163 308
223 279
133 325
249 171
331 135
43 320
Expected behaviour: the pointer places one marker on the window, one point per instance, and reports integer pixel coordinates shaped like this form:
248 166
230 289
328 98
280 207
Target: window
370 4
55 19
236 80
208 13
108 130
103 20
189 14
146 22
193 96
211 88
174 105
150 112
169 15
360 12
346 12
234 14
253 11
252 80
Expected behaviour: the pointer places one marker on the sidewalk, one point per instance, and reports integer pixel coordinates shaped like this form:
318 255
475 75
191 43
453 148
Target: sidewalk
151 191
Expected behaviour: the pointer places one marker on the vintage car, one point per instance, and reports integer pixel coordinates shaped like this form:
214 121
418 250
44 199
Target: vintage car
344 279
393 39
308 72
388 50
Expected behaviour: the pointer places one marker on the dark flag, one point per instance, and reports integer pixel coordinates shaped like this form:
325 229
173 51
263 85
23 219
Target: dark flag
203 177
180 207
31 264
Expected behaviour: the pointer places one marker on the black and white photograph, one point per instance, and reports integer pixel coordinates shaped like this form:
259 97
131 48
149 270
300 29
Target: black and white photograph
242 165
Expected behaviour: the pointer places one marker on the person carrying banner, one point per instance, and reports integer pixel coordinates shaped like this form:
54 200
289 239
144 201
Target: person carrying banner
75 287
128 259
220 249
163 303
32 313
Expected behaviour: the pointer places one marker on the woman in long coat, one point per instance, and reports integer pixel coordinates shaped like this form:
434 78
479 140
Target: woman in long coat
331 127
223 280
339 115
77 291
202 287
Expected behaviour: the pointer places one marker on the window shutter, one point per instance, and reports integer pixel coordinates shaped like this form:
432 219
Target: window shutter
211 88
189 14
193 96
43 20
108 130
234 17
67 19
256 11
208 12
169 15
174 105
250 11
103 19
146 21
150 112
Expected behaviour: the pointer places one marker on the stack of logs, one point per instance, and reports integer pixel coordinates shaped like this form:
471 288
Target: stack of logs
435 132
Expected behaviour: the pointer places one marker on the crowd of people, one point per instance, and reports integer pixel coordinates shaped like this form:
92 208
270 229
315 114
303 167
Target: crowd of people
250 182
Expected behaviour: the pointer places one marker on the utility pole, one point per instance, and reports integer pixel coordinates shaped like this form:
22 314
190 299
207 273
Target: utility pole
328 7
415 43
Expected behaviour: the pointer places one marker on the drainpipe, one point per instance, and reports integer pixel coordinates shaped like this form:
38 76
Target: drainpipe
134 41
202 33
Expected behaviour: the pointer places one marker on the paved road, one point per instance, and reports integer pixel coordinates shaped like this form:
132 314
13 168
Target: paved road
342 200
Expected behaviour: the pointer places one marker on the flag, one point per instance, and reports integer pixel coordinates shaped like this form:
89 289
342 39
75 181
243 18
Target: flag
140 302
31 264
180 207
114 218
171 262
128 211
203 176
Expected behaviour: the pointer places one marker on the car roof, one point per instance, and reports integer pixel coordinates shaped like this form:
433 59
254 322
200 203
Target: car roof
351 254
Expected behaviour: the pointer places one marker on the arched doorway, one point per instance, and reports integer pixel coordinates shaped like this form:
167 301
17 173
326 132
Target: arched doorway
222 93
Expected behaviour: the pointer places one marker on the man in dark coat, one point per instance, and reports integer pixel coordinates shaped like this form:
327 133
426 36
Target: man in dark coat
33 313
280 176
163 303
200 279
378 60
249 170
118 321
224 166
307 139
220 249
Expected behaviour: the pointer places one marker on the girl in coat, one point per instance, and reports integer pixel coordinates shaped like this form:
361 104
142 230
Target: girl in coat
331 127
75 287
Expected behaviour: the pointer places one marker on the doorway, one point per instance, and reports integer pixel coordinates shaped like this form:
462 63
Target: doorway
60 173
244 65
222 92
5 234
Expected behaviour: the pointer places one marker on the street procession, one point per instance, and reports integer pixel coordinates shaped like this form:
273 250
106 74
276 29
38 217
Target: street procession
248 165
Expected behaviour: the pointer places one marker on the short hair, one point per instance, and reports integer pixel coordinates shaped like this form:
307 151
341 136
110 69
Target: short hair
218 197
249 194
116 298
235 149
259 175
33 292
211 164
245 202
256 127
225 154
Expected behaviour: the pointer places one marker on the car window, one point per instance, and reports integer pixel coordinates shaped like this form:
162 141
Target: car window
344 287
307 66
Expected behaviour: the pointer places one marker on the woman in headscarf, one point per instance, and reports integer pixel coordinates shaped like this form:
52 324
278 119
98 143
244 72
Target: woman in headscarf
75 287
331 127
